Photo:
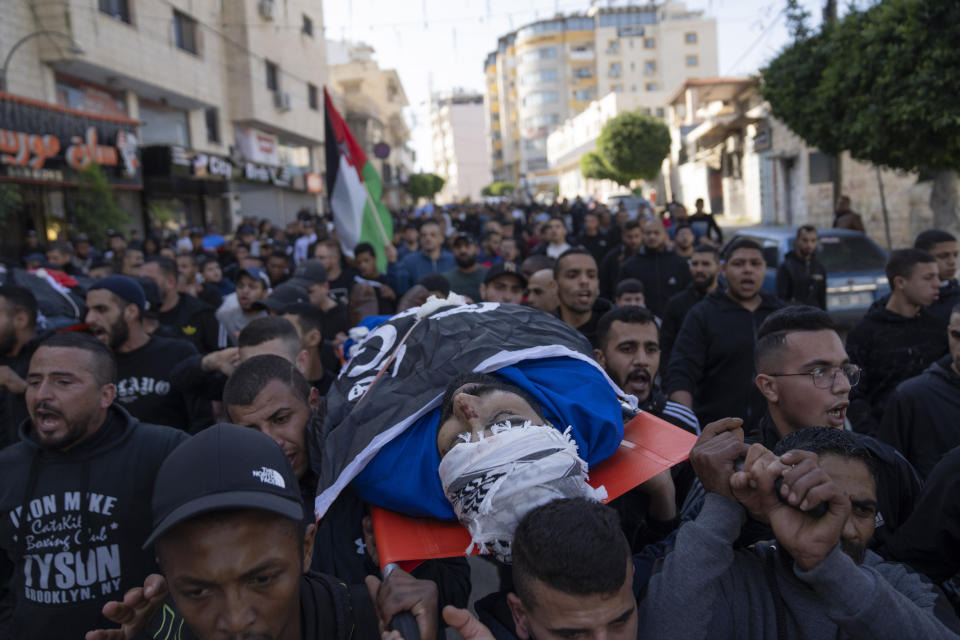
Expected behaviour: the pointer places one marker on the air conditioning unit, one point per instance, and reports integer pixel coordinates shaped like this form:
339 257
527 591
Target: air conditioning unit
281 99
268 9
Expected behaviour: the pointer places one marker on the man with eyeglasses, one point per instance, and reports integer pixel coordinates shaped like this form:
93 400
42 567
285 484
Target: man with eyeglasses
805 375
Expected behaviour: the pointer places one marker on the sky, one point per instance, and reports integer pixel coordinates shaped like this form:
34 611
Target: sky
439 45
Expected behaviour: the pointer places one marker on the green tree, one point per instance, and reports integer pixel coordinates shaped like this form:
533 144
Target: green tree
594 167
498 188
10 201
96 210
634 145
424 185
881 84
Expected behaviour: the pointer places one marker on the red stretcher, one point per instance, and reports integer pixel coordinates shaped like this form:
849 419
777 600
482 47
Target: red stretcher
650 445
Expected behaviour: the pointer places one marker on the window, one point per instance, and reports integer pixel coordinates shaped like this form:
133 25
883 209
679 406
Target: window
613 46
185 32
692 61
313 98
660 112
583 95
582 72
649 43
633 87
690 37
119 9
307 28
823 168
650 67
651 86
545 75
614 71
160 125
273 81
617 88
543 53
540 97
213 124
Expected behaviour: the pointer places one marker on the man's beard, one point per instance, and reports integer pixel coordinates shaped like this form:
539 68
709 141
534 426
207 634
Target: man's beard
466 262
76 429
634 374
703 285
857 552
119 333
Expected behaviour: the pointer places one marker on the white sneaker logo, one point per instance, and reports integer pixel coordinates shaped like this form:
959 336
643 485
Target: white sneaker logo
269 476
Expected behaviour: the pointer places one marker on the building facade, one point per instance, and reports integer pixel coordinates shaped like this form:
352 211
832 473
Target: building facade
750 168
222 104
459 145
551 70
371 101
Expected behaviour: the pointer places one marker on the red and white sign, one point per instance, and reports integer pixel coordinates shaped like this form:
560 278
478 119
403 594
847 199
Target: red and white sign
258 146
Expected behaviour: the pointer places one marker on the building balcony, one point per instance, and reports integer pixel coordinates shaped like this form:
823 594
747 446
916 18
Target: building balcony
583 54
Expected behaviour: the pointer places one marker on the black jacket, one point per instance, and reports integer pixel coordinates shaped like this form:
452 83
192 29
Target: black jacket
890 348
194 320
597 246
948 299
713 358
663 274
922 419
898 484
147 389
672 319
610 269
802 281
89 514
930 540
589 328
13 408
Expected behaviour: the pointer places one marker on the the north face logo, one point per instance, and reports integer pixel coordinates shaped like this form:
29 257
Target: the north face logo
269 476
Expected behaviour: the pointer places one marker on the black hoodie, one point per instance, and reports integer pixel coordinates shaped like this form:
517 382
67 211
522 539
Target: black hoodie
890 348
713 358
949 298
89 513
663 274
921 419
802 281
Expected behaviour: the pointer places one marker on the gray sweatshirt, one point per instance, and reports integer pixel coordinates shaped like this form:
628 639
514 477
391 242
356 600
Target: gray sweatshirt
705 588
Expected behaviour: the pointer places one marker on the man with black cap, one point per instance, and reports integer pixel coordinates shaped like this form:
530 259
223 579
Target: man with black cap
73 516
468 276
145 386
253 285
282 297
503 282
235 553
313 276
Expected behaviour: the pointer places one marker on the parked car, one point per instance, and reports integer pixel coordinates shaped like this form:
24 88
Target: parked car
633 204
854 263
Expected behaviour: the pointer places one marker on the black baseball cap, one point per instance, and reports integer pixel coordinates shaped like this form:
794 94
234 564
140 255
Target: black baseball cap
283 296
462 236
256 273
309 273
223 467
498 269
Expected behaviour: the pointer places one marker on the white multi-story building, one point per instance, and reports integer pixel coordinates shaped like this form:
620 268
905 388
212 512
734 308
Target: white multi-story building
550 70
219 103
459 145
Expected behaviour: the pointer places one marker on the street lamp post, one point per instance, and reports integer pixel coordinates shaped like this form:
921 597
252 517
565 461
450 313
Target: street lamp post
74 48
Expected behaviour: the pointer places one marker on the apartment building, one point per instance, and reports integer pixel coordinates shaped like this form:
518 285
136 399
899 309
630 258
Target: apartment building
551 70
215 107
371 101
459 145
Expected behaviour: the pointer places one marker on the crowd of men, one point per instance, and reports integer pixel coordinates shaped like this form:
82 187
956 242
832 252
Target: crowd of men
142 380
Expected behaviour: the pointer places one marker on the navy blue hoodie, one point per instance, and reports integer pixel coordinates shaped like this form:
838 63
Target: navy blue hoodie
72 524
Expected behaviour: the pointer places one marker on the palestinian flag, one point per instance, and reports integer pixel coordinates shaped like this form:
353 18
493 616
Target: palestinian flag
354 187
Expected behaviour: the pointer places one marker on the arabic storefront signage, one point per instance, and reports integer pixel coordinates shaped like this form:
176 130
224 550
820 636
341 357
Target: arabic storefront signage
47 143
180 162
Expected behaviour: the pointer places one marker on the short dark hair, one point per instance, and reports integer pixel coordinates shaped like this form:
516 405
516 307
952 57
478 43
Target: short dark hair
20 300
104 364
628 285
269 328
308 316
632 224
573 545
253 376
740 243
364 247
627 315
806 228
773 332
707 248
927 239
430 221
828 440
540 260
902 261
435 282
167 266
682 225
574 251
241 244
62 247
482 384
